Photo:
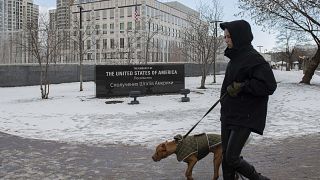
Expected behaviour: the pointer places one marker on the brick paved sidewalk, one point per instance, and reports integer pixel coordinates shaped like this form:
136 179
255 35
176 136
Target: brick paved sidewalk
20 158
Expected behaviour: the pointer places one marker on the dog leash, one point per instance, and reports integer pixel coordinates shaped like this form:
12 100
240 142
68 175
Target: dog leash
214 105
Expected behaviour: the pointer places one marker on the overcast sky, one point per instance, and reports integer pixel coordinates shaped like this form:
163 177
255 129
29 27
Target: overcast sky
229 9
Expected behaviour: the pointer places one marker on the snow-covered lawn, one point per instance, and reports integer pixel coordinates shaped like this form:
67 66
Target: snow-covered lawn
73 116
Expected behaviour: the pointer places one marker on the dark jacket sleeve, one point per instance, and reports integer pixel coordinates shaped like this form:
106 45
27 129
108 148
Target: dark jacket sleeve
262 81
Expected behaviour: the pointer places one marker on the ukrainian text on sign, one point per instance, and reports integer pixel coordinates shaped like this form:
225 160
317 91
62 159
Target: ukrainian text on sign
149 79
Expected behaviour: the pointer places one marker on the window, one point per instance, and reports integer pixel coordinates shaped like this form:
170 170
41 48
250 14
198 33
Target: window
152 12
137 23
112 55
148 11
104 43
111 28
75 18
121 55
129 26
138 9
129 42
138 42
104 28
105 56
75 32
97 14
88 44
139 55
88 30
104 14
121 42
121 12
129 11
97 44
112 45
75 45
111 13
98 56
89 56
97 29
122 27
88 16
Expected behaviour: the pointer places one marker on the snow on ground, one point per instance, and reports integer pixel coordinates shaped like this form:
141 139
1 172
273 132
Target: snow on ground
78 117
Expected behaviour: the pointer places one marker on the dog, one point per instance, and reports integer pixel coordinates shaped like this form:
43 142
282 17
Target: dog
191 149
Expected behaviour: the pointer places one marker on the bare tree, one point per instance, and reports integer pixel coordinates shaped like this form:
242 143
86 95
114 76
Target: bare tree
303 55
132 36
6 47
131 40
43 42
152 31
199 41
301 16
287 40
85 40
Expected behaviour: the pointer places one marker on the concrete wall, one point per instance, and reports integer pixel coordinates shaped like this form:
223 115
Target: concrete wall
28 75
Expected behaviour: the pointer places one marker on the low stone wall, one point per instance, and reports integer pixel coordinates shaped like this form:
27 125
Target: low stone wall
28 75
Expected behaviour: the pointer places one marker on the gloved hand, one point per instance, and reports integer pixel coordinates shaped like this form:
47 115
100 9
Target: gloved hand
234 88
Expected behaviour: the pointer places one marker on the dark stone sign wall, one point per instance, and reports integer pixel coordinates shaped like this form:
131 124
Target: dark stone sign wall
29 75
119 80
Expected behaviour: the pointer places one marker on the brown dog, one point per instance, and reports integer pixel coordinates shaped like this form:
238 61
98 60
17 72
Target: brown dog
191 149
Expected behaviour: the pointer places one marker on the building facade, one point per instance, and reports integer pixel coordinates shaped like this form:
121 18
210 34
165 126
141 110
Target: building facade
52 18
129 31
3 17
15 17
63 13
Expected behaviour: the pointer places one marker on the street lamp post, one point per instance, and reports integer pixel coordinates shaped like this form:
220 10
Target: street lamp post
80 48
260 48
215 47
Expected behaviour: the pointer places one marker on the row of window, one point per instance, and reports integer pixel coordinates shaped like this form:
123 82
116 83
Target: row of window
113 55
105 28
112 43
152 27
104 14
127 43
134 12
153 56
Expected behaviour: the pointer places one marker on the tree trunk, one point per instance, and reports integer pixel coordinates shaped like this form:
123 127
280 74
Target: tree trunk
214 71
312 66
203 76
203 81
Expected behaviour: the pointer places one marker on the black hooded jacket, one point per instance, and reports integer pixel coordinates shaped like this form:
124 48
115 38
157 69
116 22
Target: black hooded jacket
249 108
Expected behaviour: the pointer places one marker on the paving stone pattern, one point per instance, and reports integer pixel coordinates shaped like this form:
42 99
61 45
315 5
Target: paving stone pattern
20 158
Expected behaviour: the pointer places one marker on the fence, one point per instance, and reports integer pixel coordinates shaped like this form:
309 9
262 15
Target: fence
27 75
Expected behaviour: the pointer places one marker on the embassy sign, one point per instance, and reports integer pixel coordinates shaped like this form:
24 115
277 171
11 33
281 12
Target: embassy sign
119 80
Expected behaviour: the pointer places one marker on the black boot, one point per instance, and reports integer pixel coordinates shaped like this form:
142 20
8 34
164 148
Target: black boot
262 177
257 176
227 171
229 176
248 171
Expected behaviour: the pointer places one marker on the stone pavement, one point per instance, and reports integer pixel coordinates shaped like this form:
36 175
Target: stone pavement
20 158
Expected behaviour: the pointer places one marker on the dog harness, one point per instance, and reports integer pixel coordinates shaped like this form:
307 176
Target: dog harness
200 144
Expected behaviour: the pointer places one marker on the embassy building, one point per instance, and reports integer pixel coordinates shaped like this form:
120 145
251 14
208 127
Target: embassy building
127 31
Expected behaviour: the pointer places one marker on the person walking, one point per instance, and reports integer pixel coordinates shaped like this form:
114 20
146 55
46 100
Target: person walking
248 82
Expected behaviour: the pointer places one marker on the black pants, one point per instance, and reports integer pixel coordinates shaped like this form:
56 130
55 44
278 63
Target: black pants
233 140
